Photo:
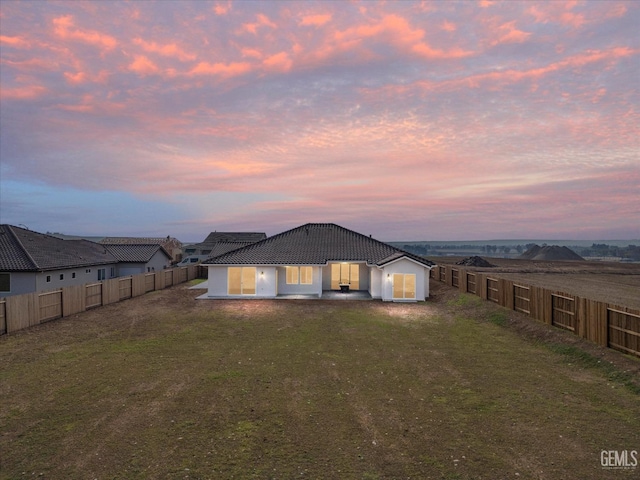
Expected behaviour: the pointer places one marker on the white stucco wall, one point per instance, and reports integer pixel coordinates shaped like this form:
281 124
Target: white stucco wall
375 282
20 282
159 261
83 275
266 282
217 281
272 281
125 269
407 267
315 288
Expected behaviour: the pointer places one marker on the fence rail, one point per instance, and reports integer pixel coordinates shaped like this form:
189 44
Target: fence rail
23 311
521 298
605 324
93 295
492 290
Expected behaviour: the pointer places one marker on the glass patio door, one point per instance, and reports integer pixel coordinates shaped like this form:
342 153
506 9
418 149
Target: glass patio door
241 280
404 286
345 273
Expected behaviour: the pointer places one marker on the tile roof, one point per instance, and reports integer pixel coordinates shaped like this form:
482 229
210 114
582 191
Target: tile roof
135 253
248 237
314 244
24 250
224 247
164 241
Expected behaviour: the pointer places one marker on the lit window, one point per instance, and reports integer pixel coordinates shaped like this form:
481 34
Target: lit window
292 275
306 275
299 275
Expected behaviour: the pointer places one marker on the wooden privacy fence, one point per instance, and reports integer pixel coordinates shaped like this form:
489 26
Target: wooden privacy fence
23 311
608 325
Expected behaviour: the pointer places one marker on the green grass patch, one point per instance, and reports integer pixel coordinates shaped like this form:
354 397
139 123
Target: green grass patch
464 300
578 356
498 318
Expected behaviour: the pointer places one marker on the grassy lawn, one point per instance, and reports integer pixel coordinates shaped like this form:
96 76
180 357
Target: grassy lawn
164 386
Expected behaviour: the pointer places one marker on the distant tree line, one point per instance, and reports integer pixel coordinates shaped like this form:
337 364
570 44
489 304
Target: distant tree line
630 252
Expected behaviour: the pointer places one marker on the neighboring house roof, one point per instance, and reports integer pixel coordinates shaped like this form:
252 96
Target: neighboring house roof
24 250
218 243
167 242
315 244
247 237
224 247
137 253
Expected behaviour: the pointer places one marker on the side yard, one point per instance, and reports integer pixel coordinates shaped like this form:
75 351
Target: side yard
162 386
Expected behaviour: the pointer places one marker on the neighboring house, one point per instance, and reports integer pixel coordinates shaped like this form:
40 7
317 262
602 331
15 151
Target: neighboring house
315 258
218 243
172 246
139 258
34 262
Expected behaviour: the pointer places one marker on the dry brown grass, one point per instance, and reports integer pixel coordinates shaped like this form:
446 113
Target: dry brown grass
164 386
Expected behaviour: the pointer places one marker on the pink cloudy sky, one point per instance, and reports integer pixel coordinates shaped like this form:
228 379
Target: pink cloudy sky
405 120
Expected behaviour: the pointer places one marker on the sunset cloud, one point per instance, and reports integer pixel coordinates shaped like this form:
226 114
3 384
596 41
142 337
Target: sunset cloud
64 27
315 20
221 69
143 66
16 42
168 49
406 120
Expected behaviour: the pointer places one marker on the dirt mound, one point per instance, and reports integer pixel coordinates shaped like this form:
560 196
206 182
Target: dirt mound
550 252
475 262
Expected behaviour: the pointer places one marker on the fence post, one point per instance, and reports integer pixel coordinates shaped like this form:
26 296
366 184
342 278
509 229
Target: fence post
462 280
3 317
481 285
159 280
505 290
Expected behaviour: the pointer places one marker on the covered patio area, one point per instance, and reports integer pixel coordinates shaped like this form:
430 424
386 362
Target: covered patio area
328 295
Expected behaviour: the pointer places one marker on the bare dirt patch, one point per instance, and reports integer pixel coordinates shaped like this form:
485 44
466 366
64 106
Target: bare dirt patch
611 282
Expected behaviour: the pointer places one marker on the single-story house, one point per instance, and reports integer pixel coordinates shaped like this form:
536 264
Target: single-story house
218 243
316 258
139 258
35 262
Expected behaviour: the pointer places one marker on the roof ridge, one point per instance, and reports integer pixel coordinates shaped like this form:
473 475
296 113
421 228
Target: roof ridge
24 249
